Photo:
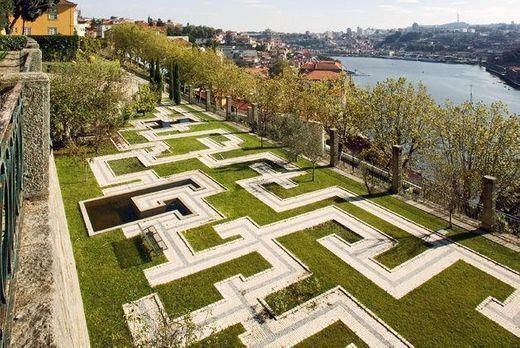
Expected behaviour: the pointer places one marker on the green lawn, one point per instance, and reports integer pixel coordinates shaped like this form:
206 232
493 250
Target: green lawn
131 252
440 313
105 285
127 165
198 290
182 146
337 335
133 137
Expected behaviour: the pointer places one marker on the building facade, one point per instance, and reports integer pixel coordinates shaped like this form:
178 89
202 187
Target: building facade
59 20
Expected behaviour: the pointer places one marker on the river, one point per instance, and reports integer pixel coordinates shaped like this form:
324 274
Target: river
444 81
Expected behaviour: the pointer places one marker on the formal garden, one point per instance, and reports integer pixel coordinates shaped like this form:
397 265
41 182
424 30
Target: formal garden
191 228
289 265
200 225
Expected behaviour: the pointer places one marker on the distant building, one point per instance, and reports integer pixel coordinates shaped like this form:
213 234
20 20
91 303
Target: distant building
103 27
181 40
322 70
82 26
61 19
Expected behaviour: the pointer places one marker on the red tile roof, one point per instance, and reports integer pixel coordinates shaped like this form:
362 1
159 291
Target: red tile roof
317 75
66 2
325 65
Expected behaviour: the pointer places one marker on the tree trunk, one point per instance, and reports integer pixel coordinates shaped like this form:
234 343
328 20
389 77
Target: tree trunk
313 171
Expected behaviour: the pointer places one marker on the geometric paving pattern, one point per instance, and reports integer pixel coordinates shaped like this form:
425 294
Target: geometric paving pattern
242 297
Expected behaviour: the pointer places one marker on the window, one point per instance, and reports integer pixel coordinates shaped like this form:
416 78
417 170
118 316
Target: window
53 13
53 31
27 31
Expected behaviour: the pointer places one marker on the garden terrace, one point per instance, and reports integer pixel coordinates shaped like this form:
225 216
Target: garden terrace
268 256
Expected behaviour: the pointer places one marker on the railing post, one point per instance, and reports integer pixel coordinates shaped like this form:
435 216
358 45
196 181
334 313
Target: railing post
334 147
208 100
397 180
229 102
488 216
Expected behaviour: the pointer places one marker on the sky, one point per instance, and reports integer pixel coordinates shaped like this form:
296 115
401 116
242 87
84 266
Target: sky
311 15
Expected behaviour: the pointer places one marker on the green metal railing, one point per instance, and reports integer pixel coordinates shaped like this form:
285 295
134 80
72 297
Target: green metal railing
11 194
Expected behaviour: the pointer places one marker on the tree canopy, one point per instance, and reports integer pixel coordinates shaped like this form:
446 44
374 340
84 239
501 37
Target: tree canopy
444 143
26 10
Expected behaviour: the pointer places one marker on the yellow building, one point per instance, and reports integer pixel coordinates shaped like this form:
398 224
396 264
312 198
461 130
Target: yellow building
58 20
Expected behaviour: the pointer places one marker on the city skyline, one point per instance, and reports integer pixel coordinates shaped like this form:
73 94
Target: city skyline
284 15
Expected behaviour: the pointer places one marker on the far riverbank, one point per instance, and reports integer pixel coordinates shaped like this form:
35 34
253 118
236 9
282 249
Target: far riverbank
456 82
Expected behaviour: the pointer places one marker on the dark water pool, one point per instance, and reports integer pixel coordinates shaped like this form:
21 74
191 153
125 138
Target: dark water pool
109 212
167 124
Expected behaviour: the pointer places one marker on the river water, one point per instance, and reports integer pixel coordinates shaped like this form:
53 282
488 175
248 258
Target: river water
444 81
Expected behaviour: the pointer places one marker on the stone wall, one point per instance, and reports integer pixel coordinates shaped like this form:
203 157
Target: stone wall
36 123
46 307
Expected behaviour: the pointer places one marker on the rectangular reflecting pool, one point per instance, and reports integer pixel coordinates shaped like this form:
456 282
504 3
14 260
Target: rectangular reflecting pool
160 124
109 212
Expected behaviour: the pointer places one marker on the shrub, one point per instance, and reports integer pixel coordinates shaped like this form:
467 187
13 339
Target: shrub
57 47
12 43
145 99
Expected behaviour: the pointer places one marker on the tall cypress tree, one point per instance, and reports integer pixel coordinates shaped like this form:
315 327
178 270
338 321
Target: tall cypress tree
171 85
176 85
152 71
158 81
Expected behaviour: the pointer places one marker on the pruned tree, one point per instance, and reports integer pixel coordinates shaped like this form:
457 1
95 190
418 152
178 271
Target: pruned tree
301 138
473 140
398 113
86 99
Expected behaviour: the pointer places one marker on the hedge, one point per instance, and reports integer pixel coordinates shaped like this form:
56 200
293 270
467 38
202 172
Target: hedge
12 43
58 47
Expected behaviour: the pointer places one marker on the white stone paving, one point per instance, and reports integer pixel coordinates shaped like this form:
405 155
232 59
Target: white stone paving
242 298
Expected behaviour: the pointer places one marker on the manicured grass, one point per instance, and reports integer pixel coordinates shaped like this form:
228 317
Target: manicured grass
337 335
198 290
444 306
227 338
345 233
326 177
131 252
199 114
133 137
126 166
105 286
439 313
182 146
219 138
